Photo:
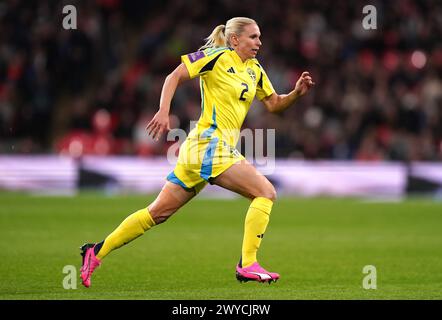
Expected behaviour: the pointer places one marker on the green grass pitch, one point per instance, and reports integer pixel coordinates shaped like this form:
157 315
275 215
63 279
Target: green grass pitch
319 246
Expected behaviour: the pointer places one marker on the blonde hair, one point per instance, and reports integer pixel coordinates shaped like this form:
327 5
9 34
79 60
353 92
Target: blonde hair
221 34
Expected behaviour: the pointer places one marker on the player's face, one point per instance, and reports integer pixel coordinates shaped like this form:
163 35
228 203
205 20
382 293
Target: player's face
249 42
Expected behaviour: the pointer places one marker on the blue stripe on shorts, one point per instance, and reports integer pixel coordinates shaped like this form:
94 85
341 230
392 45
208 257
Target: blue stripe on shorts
174 179
206 167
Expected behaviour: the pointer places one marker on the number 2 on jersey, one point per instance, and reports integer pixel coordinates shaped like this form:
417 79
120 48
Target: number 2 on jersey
241 97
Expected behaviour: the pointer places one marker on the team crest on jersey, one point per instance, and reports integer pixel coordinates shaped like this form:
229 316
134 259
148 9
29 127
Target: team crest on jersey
252 74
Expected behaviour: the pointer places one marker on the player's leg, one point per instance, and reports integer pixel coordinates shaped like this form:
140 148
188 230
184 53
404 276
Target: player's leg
170 199
244 179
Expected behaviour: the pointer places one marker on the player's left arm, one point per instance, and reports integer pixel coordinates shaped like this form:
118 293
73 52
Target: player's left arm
279 102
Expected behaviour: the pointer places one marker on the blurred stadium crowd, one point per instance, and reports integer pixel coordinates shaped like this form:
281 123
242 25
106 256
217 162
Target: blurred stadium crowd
378 93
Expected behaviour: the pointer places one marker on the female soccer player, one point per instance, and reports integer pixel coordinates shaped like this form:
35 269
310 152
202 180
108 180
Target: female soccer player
230 77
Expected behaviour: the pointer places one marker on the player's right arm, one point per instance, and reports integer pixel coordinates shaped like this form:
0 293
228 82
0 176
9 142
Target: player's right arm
160 121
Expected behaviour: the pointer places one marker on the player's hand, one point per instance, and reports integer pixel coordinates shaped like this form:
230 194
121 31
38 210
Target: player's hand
158 124
304 83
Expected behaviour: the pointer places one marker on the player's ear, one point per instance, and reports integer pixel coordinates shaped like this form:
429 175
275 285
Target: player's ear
234 39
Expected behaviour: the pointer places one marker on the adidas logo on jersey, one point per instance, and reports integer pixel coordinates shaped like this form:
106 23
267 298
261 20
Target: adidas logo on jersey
231 70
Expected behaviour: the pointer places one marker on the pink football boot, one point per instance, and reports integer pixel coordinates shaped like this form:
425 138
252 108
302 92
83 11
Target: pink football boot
89 264
255 273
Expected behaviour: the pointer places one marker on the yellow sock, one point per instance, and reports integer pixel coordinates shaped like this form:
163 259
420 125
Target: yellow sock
257 219
131 228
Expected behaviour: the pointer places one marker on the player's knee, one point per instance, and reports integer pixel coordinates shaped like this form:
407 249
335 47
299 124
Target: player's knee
268 192
271 193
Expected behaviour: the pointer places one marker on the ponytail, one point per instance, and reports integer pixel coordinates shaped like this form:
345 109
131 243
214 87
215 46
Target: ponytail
220 36
216 39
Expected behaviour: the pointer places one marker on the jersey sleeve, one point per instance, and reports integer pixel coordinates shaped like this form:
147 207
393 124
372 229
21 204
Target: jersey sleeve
264 87
199 62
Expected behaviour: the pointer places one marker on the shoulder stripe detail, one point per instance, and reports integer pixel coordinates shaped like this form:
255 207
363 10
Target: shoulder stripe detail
209 66
212 51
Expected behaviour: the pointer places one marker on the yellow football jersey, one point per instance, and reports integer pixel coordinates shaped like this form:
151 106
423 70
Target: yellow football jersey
228 87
